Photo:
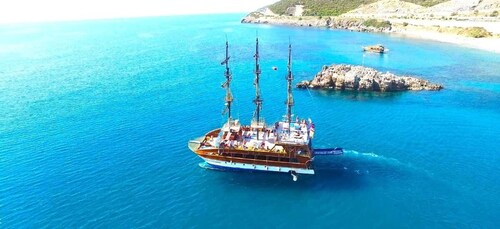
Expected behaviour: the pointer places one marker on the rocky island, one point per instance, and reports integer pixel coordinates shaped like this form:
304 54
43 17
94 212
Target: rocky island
359 78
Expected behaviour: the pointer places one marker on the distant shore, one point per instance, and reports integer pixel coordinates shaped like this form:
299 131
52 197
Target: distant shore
438 30
432 30
488 43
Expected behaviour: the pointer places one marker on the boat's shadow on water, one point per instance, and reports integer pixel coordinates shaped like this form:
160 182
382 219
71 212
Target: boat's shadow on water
350 171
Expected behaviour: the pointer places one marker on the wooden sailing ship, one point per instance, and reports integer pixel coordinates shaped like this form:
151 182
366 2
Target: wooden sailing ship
284 146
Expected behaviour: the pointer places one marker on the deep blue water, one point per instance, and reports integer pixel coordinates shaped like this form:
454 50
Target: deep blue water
95 117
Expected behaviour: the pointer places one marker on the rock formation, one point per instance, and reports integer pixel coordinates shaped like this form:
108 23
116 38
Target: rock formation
358 78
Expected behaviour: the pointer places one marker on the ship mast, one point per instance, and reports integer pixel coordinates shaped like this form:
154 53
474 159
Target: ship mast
229 97
289 78
257 100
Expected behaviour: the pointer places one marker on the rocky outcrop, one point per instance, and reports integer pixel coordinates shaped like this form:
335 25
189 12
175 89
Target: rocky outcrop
358 78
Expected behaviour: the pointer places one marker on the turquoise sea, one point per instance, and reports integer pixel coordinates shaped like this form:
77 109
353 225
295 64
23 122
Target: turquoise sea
95 117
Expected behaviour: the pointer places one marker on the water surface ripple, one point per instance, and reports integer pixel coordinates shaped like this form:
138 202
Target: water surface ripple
95 117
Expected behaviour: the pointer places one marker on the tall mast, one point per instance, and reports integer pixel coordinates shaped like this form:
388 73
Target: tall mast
289 78
257 100
229 97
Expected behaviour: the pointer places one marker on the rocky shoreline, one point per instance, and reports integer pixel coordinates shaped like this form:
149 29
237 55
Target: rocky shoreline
359 78
456 32
353 24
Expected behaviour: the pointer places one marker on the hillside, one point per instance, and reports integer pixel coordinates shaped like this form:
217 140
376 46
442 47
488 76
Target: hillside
386 7
488 5
465 6
333 7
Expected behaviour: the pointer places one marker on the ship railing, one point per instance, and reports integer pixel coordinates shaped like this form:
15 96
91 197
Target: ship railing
261 124
234 125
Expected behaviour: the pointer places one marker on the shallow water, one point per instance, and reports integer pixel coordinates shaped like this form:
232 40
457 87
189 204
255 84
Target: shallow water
95 117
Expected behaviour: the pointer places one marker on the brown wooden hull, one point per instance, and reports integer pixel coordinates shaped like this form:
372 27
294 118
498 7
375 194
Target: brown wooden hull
283 161
304 163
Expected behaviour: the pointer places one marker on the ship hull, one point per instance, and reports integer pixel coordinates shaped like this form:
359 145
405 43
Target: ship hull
255 167
251 159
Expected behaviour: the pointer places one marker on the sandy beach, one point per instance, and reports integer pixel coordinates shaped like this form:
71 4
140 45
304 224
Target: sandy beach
422 29
487 44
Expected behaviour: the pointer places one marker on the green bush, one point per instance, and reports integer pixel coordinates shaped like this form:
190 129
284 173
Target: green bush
377 24
475 32
426 3
494 14
405 23
256 14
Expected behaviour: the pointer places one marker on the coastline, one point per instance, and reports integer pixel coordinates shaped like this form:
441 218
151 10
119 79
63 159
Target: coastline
487 44
421 29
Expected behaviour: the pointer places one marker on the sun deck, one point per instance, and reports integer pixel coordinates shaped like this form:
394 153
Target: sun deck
297 133
258 137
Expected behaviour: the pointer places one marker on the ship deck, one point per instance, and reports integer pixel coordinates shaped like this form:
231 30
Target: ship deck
235 136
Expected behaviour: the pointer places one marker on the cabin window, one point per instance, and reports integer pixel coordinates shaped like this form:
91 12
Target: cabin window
285 159
272 158
294 160
251 156
237 155
260 157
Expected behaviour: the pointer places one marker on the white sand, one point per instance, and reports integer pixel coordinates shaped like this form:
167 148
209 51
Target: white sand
488 44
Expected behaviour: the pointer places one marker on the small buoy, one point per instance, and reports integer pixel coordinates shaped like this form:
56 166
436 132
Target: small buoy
275 68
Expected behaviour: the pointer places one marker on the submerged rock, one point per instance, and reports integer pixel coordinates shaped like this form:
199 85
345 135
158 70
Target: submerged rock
358 78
